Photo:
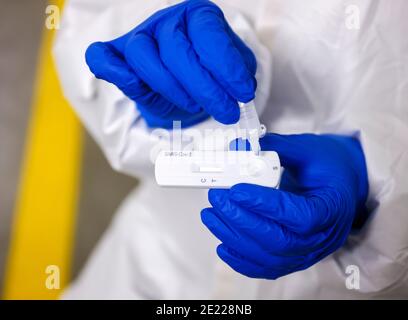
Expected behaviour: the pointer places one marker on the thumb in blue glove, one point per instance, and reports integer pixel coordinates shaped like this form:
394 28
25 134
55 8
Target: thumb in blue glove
269 233
183 63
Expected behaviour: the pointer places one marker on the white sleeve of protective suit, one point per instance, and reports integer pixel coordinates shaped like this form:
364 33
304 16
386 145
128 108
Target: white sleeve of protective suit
111 118
377 108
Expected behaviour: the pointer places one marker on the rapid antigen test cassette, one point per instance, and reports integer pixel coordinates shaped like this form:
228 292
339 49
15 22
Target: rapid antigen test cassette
222 169
217 169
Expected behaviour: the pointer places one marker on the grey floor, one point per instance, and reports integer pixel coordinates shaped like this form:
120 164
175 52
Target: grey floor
20 33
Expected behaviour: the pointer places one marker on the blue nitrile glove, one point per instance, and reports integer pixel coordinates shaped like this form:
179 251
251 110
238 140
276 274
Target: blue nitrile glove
183 63
269 233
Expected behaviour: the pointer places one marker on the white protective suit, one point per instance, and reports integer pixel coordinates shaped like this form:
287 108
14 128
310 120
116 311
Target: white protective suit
329 75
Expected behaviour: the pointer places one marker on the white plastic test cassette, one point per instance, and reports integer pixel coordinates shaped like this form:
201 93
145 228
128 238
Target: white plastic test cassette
217 169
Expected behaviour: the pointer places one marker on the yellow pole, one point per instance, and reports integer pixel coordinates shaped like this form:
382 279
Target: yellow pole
44 218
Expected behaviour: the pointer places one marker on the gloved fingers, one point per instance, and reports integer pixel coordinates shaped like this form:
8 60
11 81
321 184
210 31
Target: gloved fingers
232 239
270 235
105 64
243 244
246 53
241 265
142 55
302 215
252 270
179 57
208 32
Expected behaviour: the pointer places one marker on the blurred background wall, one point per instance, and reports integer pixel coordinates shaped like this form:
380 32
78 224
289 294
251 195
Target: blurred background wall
29 90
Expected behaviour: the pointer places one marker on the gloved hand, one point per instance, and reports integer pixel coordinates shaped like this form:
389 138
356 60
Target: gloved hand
269 233
183 63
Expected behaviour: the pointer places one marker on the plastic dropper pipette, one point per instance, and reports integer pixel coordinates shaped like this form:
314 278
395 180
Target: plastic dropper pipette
250 124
